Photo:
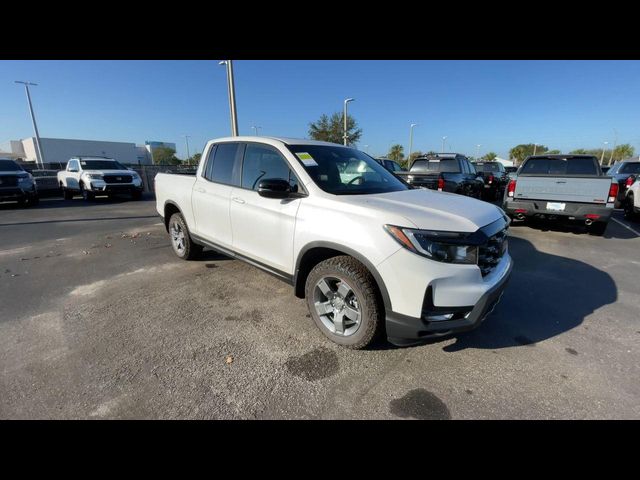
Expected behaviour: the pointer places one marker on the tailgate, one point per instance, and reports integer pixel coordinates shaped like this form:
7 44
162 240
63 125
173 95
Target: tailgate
565 189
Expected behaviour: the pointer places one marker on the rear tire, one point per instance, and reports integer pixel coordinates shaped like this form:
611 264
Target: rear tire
597 228
352 288
629 212
181 241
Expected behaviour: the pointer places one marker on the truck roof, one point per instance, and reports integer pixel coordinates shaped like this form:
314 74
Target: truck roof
560 155
285 140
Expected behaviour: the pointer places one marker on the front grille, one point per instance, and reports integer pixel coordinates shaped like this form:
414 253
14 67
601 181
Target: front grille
8 181
117 178
490 253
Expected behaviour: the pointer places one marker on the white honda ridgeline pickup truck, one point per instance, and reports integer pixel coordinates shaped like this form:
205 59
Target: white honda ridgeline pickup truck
369 253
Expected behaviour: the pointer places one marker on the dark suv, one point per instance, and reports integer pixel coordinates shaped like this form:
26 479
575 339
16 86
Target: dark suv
495 179
447 172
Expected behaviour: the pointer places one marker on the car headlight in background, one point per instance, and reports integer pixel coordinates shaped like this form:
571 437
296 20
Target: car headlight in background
25 178
448 247
94 176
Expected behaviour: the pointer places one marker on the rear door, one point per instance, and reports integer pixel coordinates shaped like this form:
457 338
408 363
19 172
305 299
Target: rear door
212 192
575 179
263 228
72 175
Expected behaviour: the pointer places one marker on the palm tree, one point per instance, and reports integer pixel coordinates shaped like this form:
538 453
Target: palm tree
396 152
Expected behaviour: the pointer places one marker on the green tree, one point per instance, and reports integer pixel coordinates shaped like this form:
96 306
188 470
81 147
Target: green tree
522 151
622 152
331 129
194 159
396 152
489 156
165 156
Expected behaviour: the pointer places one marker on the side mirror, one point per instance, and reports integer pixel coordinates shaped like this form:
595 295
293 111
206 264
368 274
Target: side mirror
274 188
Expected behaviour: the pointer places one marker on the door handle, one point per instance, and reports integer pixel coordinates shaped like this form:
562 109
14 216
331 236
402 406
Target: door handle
238 200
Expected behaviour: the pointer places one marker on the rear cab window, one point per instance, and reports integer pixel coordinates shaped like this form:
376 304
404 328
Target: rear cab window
630 167
223 163
446 165
561 166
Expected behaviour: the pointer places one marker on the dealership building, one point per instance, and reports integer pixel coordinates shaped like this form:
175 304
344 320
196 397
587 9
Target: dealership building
60 150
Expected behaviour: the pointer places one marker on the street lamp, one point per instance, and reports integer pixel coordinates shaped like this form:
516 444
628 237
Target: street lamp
478 151
366 148
39 154
256 130
603 149
347 100
535 146
443 139
411 140
232 97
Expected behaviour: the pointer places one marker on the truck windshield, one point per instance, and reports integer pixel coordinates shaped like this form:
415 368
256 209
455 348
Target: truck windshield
9 166
449 165
345 171
101 165
560 166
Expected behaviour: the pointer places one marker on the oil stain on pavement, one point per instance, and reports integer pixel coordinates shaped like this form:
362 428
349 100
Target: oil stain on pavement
314 365
420 404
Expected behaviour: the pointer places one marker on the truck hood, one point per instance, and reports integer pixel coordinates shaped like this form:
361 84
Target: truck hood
431 210
109 172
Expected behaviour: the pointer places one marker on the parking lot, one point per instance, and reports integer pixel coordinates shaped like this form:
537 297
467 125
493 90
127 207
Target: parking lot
99 319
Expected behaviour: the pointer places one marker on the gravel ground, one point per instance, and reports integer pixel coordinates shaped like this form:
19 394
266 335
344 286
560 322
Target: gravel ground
99 319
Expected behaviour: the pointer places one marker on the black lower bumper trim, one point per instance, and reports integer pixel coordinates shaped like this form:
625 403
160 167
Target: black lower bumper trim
533 208
404 330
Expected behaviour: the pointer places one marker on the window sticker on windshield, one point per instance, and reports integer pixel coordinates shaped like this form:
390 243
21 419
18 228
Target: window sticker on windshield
307 160
434 160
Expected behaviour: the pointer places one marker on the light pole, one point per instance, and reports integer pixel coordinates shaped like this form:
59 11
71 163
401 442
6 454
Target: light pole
347 100
411 140
366 149
256 130
478 151
603 149
615 142
443 139
186 139
535 146
39 154
232 97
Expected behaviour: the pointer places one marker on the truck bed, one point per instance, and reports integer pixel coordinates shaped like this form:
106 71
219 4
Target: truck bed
582 189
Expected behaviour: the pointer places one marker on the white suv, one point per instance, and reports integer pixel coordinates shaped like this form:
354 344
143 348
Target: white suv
370 254
631 202
91 176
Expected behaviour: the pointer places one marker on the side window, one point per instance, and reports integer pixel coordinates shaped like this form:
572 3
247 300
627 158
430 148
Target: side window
225 164
73 165
208 167
465 166
262 162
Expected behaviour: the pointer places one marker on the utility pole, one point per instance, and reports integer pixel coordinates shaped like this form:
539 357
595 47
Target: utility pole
186 139
255 128
615 143
535 146
603 149
478 151
232 97
345 136
443 139
39 153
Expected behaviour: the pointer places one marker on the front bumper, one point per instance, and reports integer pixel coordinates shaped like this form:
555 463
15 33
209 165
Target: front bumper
572 210
16 193
106 188
405 330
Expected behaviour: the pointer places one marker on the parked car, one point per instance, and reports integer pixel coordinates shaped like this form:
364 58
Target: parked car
91 176
46 181
390 165
16 184
623 172
446 172
369 253
495 179
631 202
569 187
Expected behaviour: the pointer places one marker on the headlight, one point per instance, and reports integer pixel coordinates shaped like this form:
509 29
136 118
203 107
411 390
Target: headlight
448 247
25 178
94 176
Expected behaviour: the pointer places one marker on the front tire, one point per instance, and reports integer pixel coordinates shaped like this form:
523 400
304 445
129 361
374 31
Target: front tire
344 302
67 194
87 196
181 241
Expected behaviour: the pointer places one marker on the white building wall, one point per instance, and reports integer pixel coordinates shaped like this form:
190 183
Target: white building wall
60 150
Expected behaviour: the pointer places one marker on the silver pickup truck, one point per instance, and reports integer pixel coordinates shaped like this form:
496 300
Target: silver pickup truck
570 187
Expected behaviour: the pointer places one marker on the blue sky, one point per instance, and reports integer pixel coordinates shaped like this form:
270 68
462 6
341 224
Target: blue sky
562 104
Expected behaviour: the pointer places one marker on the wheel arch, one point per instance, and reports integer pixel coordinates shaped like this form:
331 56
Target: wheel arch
316 252
170 207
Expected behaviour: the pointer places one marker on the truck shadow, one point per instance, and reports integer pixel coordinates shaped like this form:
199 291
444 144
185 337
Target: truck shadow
546 296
